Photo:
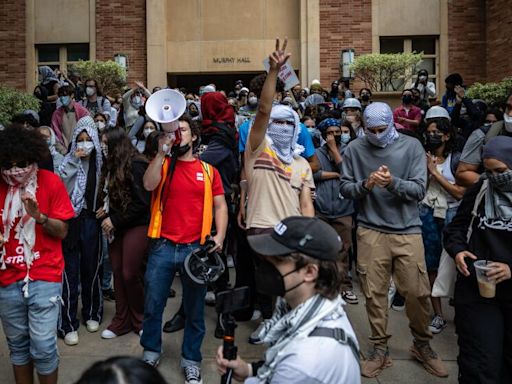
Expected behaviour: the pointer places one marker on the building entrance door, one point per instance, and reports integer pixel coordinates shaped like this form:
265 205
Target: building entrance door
223 81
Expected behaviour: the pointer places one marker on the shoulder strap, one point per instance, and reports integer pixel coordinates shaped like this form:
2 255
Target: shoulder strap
478 200
494 130
454 161
207 201
339 335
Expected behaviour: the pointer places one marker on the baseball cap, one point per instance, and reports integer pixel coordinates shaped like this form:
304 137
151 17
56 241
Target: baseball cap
308 235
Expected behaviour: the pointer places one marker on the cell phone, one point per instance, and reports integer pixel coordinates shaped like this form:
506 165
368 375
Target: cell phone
233 300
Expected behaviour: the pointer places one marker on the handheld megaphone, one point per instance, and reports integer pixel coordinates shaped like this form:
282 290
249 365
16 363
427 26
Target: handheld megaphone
166 107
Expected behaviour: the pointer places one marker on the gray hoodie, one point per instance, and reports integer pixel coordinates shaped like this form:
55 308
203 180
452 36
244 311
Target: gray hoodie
393 209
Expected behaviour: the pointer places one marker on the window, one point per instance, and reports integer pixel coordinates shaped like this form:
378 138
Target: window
61 56
429 45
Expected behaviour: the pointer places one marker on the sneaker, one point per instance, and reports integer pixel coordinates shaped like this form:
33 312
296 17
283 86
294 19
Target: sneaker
176 324
377 360
437 324
256 315
108 334
71 338
92 325
209 299
255 335
193 375
151 358
350 297
398 302
431 362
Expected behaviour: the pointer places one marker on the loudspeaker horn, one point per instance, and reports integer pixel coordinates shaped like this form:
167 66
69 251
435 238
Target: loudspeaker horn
165 107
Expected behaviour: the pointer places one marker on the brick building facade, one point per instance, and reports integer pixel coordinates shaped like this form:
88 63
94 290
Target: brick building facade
12 59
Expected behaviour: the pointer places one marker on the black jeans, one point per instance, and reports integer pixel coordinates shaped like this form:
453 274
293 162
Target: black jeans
484 329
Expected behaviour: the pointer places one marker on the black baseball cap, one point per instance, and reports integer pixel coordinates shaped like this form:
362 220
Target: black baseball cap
308 235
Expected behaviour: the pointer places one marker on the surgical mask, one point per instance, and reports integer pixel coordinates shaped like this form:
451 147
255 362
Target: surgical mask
147 132
104 149
137 102
65 100
269 280
407 99
312 131
345 138
423 78
86 146
100 125
89 91
365 97
433 142
501 181
253 101
507 121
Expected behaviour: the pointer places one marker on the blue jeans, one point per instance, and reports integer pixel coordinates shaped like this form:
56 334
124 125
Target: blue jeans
165 259
30 324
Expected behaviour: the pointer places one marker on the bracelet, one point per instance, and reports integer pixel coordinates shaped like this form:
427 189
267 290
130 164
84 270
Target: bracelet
45 219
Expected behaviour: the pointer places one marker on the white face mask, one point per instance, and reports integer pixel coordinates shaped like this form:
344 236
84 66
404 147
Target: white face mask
89 91
86 146
147 132
507 121
100 125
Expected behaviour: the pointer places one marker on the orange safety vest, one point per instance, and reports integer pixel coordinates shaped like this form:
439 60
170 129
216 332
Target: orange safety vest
155 224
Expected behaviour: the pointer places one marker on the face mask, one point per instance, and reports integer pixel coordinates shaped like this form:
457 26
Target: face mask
49 142
104 149
507 121
147 132
17 175
423 78
269 280
365 97
100 125
89 91
382 139
501 181
137 102
407 99
344 138
433 142
282 137
65 100
253 101
86 146
312 131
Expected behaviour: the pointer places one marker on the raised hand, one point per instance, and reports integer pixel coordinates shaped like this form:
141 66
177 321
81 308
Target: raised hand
279 57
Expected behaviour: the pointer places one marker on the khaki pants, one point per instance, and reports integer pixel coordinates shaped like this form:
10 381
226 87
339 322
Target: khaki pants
343 227
381 255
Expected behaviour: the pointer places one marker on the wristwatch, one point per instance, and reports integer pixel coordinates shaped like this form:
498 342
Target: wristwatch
44 219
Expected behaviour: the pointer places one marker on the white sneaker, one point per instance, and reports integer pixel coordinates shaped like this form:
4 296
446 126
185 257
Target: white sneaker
92 325
256 314
71 338
108 334
210 298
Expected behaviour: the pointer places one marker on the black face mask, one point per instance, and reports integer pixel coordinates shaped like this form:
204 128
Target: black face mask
365 97
269 280
407 99
180 150
433 142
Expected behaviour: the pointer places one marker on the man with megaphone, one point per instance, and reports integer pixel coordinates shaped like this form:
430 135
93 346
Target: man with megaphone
187 196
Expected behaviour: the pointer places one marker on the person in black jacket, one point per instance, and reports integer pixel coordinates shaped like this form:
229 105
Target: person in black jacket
482 230
125 220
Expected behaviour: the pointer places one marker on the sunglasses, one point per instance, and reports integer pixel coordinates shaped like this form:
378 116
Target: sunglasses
20 164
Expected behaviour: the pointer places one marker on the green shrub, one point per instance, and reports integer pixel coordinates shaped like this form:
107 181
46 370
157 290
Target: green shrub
491 93
386 71
110 75
13 101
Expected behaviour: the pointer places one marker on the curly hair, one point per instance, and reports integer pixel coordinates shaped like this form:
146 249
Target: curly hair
20 144
118 166
256 84
448 129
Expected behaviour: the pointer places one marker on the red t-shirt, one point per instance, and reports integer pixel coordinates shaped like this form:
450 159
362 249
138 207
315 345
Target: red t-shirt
413 114
182 215
48 264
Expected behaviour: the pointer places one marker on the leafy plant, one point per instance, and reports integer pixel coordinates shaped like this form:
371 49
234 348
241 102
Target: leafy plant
110 75
491 93
13 101
386 71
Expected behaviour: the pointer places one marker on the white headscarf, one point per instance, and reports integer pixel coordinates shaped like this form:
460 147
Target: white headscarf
283 137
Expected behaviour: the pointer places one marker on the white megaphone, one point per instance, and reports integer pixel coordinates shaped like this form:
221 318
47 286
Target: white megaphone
165 107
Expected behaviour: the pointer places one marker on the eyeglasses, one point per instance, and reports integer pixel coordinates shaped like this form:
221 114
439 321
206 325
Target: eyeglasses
20 164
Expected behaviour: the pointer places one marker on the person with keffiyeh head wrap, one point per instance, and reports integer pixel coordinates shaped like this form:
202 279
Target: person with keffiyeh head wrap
80 171
35 208
481 230
279 180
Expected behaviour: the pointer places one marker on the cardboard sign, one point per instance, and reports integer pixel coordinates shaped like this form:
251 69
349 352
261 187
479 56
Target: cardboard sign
286 74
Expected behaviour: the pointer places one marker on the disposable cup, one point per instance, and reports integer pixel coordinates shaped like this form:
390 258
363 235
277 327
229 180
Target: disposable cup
486 286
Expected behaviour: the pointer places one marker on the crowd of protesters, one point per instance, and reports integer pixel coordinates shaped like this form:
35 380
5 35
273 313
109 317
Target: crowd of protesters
309 191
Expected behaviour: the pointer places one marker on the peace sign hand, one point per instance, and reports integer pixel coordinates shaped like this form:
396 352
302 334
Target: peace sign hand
279 57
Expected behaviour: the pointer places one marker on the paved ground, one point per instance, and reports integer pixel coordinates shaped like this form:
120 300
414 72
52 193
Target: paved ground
74 360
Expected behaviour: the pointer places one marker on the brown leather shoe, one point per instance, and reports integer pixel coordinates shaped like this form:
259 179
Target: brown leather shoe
426 356
377 360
